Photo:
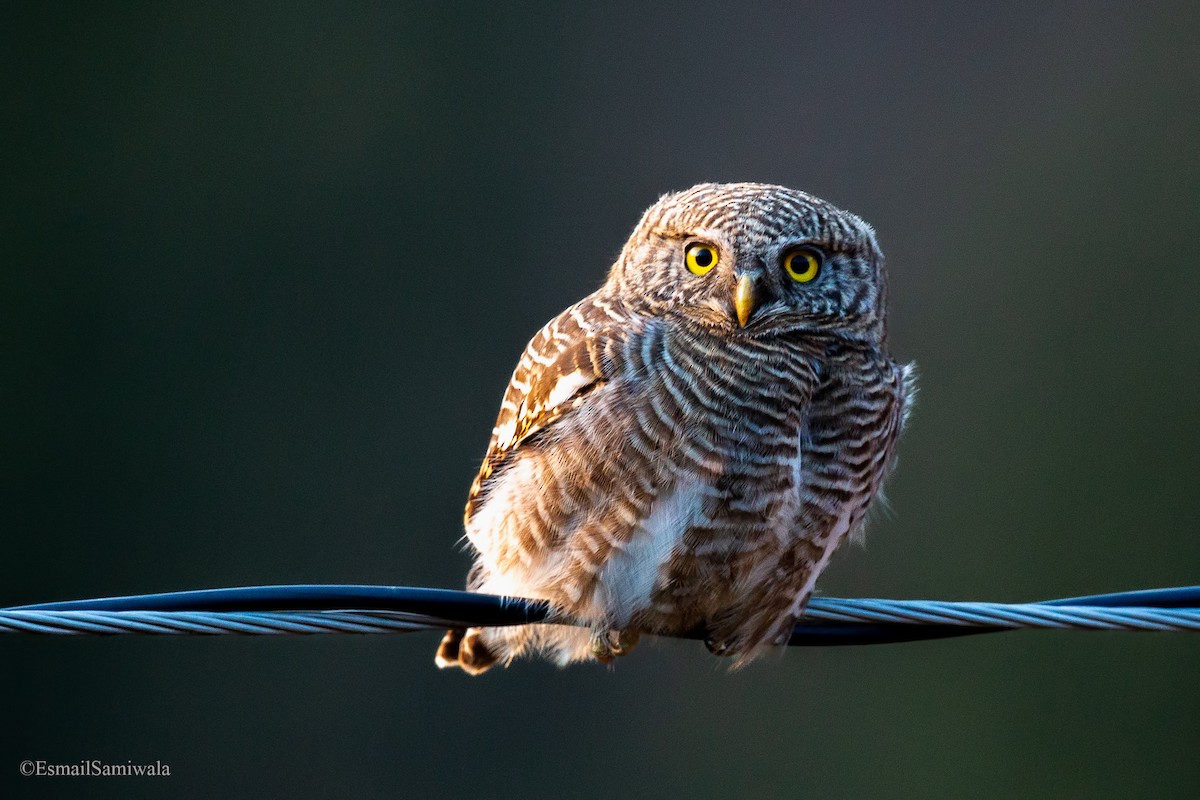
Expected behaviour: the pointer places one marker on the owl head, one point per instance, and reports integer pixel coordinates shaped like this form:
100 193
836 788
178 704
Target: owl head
755 259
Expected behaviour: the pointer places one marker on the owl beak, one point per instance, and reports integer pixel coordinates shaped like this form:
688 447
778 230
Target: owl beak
744 298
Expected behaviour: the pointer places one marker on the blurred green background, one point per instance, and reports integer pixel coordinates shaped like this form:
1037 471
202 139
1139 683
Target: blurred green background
264 273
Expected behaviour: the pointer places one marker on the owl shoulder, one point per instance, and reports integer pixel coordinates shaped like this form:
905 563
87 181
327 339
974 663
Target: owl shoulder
573 356
867 371
570 357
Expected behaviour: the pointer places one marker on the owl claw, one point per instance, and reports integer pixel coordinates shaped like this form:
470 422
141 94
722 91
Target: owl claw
609 644
717 648
465 650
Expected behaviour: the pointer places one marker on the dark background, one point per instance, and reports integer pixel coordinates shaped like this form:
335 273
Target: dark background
264 273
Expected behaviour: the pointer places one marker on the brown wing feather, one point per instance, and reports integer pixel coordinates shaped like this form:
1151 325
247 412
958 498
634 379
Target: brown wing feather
563 363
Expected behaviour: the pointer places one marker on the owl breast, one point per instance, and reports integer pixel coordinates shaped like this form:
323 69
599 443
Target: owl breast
674 493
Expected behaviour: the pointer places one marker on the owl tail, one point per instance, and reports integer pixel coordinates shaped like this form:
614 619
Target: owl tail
465 649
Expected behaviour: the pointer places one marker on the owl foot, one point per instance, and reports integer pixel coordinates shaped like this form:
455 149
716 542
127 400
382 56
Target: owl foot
609 644
465 650
447 652
718 648
745 644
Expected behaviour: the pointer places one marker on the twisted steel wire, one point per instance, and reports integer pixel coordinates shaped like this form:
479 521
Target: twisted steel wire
337 609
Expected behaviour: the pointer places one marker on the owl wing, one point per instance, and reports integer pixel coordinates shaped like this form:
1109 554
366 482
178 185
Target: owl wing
565 362
852 429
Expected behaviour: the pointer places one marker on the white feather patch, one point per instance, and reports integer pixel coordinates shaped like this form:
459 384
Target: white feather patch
797 469
566 387
504 435
631 573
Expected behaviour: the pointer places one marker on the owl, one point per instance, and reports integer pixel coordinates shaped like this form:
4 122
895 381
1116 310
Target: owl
685 449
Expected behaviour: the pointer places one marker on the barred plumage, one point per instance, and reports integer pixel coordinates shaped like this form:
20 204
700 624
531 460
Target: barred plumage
689 445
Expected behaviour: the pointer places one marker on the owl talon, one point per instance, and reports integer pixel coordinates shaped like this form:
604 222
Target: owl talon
602 649
609 644
464 649
717 648
626 641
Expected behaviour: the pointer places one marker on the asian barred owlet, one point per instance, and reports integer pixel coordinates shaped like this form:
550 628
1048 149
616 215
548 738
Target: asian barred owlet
685 448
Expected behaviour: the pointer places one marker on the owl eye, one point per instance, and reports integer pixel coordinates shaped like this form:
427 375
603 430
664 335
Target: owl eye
803 264
700 258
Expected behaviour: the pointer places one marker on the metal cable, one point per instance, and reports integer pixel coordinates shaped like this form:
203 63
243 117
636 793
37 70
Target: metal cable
316 609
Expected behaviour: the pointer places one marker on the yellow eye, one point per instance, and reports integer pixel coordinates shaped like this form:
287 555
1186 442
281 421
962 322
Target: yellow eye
700 258
802 264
